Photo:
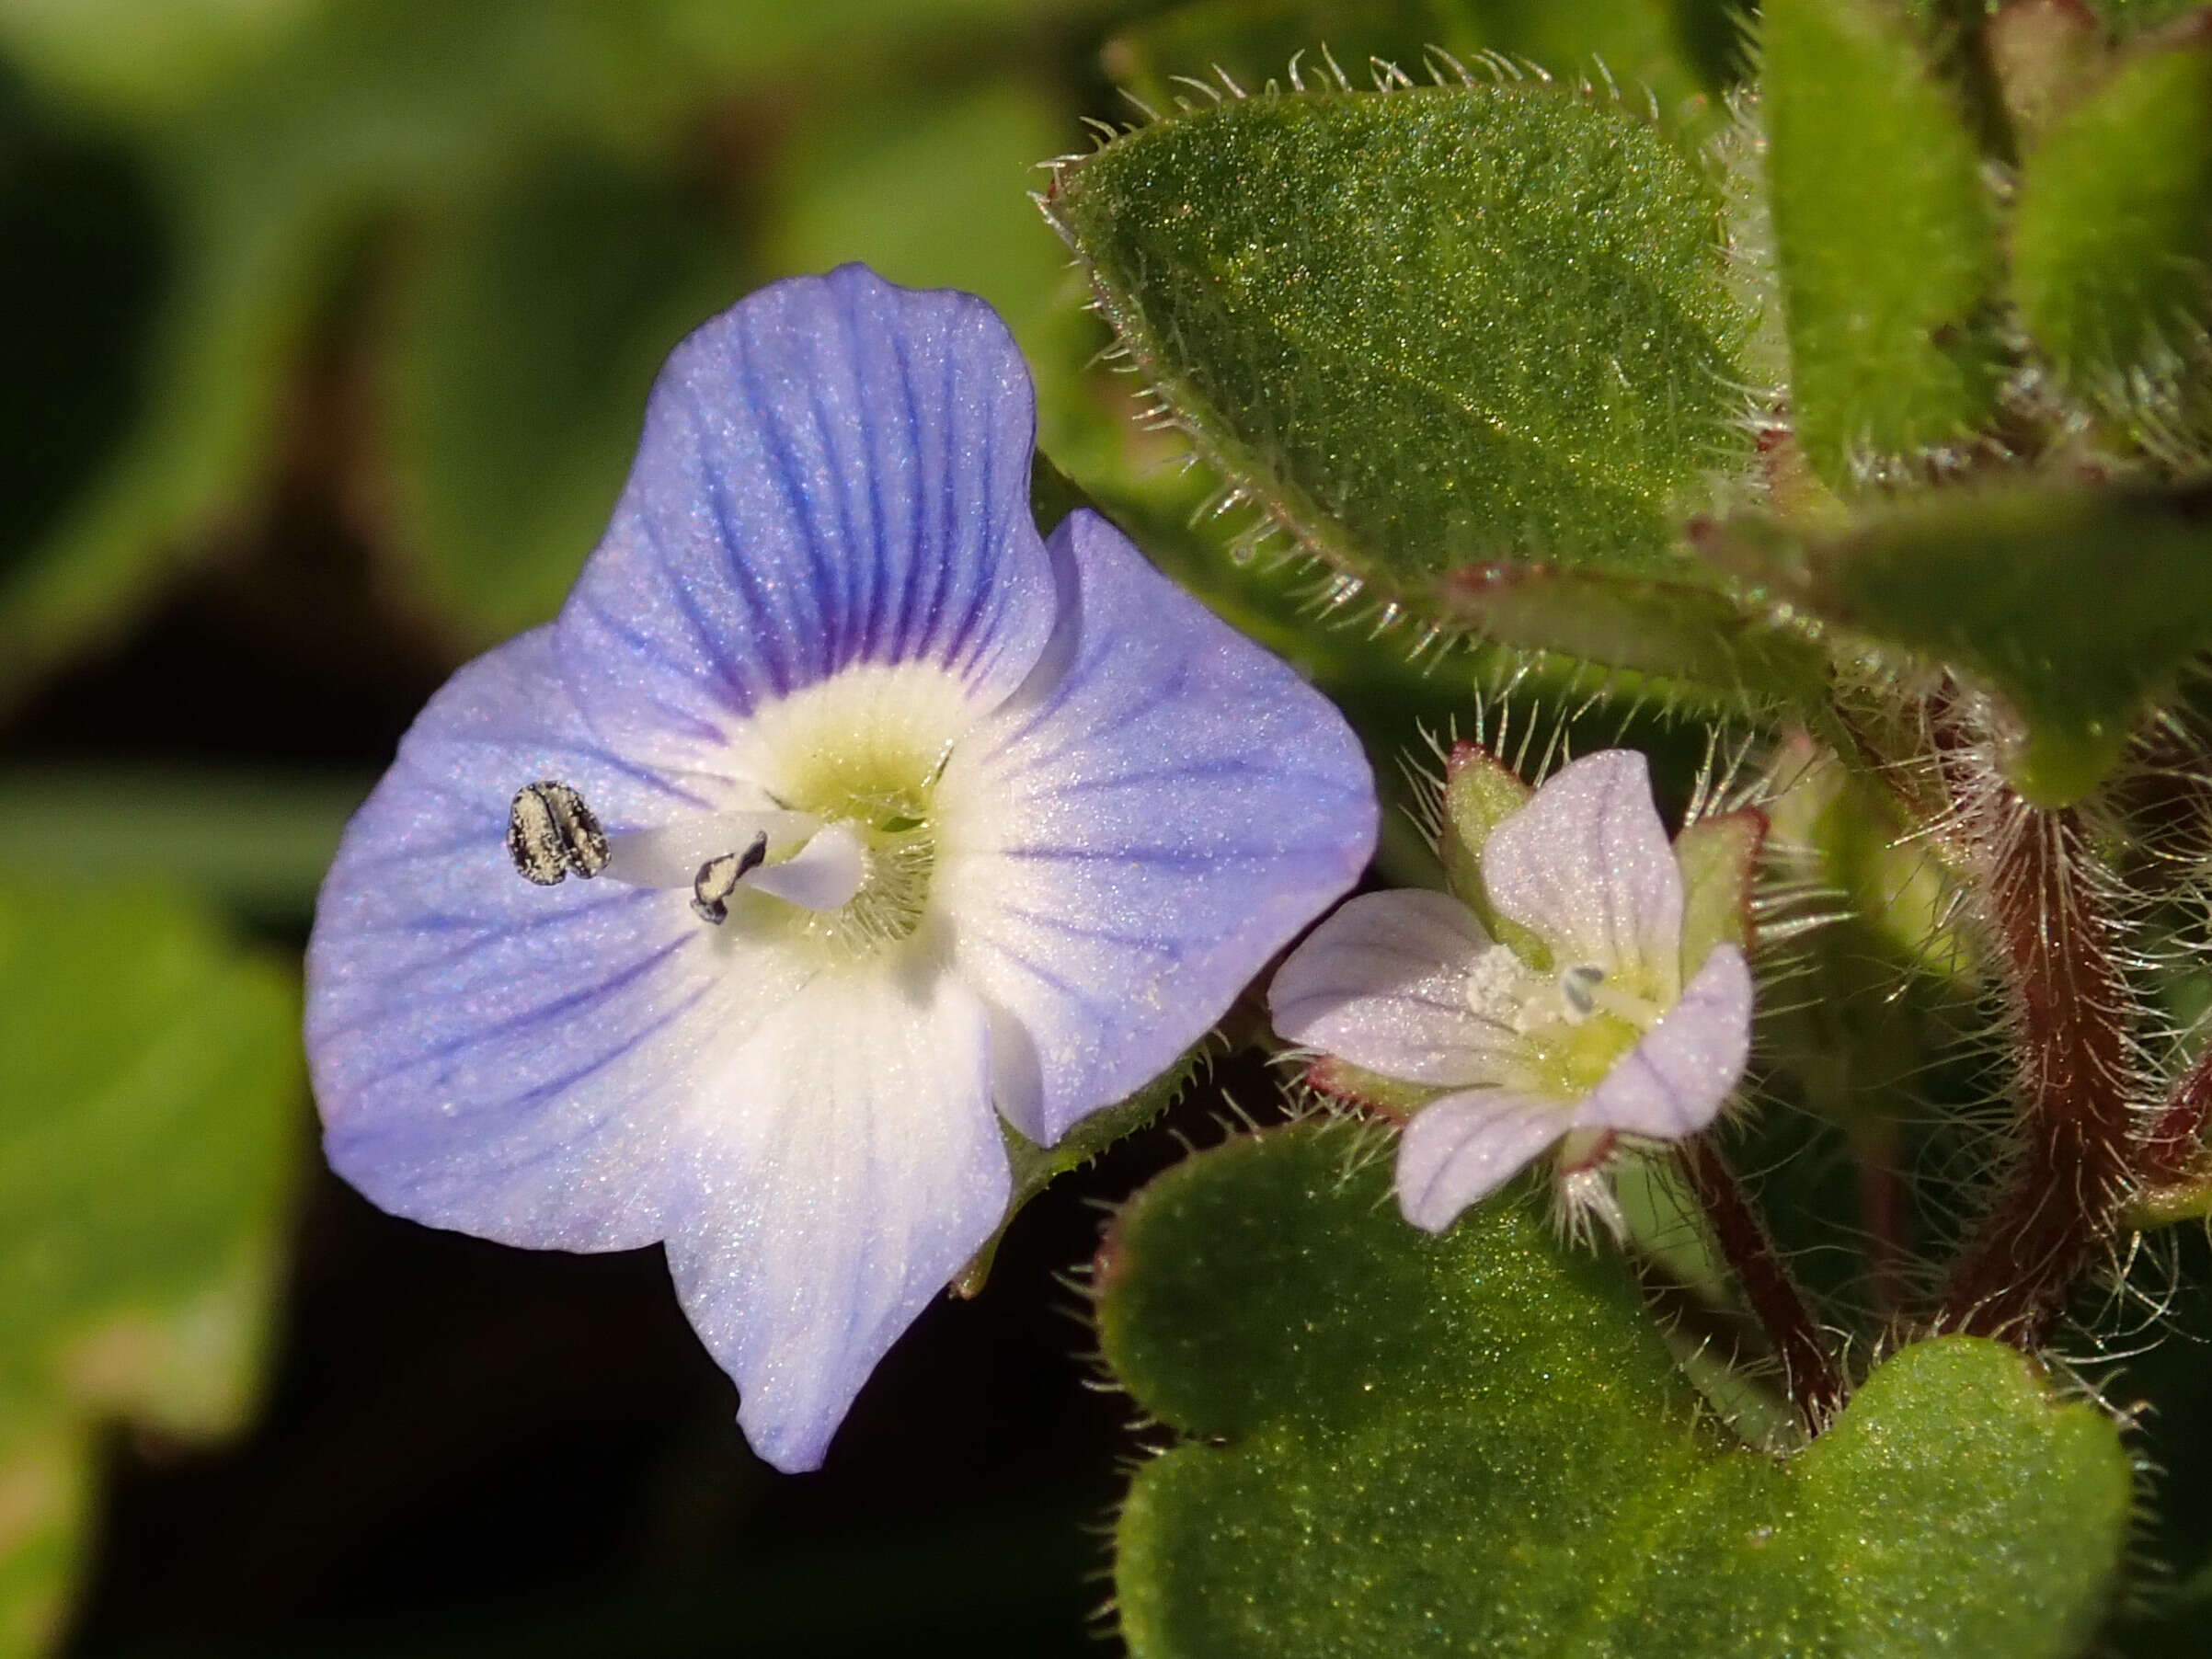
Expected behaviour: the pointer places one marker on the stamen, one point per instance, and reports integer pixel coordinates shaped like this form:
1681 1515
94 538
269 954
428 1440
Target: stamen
719 879
1579 989
824 874
1498 987
669 855
1639 1011
551 834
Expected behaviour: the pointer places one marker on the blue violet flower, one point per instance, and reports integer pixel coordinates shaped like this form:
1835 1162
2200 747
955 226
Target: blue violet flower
834 810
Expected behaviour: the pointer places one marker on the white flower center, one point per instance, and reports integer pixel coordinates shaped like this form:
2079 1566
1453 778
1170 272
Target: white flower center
1569 1028
840 834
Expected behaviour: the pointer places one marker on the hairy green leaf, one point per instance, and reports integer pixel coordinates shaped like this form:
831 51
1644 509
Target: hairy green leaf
2111 247
1473 347
1477 1443
1884 242
1648 46
2079 608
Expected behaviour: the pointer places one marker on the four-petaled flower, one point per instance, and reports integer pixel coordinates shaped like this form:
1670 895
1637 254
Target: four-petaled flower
895 812
1591 1024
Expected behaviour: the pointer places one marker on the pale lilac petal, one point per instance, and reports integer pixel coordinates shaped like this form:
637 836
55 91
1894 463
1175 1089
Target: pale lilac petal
836 471
1674 1081
1460 1150
838 1170
1383 983
1127 841
1587 866
492 1056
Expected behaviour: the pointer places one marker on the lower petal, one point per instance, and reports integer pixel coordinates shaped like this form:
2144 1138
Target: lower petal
1460 1150
837 1170
1132 836
1674 1081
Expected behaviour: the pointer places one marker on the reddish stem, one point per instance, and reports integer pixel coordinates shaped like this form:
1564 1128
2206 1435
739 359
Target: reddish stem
2053 951
1882 1213
1809 1369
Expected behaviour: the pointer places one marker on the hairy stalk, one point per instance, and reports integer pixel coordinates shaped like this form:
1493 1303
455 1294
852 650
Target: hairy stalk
1882 1213
2052 948
1814 1381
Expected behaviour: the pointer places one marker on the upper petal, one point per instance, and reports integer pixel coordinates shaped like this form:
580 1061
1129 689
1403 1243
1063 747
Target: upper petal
834 1175
493 1055
1383 983
1131 838
1673 1082
1587 866
1460 1150
835 471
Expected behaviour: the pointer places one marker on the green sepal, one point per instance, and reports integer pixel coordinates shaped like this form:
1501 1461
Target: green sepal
2112 239
1719 859
2170 1202
2079 608
1391 1097
1479 1443
1035 1168
1480 793
1522 283
1886 242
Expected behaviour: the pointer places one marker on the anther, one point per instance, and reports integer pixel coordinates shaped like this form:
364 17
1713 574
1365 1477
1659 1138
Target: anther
551 834
719 879
1579 989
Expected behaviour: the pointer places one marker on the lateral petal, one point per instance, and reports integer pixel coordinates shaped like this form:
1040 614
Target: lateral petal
497 1056
1674 1081
1383 983
1129 839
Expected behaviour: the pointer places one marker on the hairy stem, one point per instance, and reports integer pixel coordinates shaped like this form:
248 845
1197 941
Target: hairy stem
1809 1370
1882 1213
2053 950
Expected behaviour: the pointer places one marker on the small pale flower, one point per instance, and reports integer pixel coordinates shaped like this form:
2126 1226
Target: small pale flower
1603 1016
834 810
